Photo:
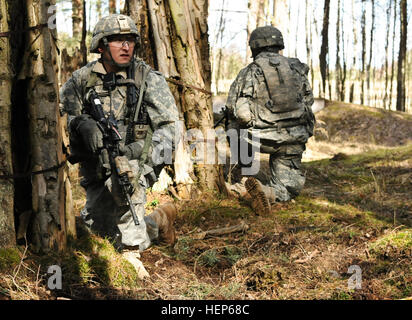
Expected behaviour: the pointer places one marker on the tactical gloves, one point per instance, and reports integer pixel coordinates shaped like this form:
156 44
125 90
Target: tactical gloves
87 131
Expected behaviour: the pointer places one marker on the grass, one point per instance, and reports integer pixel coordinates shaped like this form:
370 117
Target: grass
355 209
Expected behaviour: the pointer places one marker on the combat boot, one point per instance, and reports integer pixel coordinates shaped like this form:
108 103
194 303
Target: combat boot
164 217
260 203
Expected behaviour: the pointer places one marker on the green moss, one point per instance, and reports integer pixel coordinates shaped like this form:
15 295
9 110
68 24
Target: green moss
198 291
209 258
9 258
342 295
182 247
400 241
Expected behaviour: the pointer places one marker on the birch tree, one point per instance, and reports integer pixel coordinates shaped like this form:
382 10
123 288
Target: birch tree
353 72
363 53
368 69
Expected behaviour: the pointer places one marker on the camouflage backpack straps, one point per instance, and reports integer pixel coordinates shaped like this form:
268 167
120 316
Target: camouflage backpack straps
283 84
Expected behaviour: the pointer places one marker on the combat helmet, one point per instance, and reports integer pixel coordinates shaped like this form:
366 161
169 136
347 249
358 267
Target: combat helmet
111 25
266 36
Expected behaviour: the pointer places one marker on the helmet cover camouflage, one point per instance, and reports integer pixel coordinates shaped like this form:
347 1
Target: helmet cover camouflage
266 36
111 25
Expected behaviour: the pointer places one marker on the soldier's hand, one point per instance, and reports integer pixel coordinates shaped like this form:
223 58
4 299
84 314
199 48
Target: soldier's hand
132 151
87 129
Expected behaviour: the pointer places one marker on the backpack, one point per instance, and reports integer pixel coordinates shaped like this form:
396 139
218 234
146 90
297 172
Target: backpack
285 107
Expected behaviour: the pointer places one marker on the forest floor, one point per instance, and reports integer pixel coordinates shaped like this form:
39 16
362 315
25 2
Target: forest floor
354 215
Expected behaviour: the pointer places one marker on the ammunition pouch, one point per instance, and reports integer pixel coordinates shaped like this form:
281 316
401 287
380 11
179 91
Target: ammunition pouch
140 131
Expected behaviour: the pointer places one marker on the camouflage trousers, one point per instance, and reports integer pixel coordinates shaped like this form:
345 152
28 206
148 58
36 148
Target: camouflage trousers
285 179
110 217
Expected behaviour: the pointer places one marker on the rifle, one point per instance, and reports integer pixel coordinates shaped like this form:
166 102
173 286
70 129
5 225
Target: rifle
225 116
111 139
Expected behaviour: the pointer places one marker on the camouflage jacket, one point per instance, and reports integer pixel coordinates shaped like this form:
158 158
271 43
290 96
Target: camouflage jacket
250 89
157 97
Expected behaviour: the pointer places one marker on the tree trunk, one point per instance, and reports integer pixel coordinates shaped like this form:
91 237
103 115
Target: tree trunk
314 34
363 26
388 26
297 32
368 80
219 37
343 75
112 6
138 10
53 220
256 9
77 18
338 69
99 9
353 67
324 47
400 99
83 47
280 10
395 18
7 230
308 28
191 48
181 52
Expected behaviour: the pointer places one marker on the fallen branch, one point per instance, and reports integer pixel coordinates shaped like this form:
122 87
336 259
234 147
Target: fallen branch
221 231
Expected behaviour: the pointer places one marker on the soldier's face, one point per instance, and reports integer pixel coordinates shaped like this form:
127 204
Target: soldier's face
121 48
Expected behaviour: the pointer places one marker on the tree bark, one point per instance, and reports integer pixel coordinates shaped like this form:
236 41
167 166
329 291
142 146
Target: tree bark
308 39
181 52
338 69
77 18
400 99
324 47
138 11
99 9
112 6
388 26
256 10
7 226
363 55
219 37
395 18
50 190
368 81
355 46
343 75
280 9
191 47
83 47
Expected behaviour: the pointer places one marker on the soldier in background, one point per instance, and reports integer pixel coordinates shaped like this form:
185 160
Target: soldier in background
119 78
272 99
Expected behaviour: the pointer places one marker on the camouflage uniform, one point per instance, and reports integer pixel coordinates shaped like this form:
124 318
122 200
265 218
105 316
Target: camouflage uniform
286 144
103 212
